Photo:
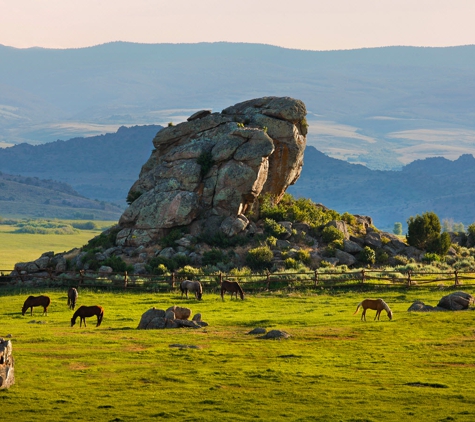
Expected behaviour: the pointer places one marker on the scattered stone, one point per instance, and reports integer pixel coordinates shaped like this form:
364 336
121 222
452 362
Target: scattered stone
275 334
456 301
180 312
258 330
173 317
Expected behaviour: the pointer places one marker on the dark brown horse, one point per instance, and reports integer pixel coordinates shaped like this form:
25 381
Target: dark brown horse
72 298
33 301
84 312
376 304
232 287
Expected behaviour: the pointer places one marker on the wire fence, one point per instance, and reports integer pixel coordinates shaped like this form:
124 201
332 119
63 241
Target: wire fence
265 281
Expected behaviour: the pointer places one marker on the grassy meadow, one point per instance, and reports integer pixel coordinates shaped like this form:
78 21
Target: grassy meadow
334 367
22 247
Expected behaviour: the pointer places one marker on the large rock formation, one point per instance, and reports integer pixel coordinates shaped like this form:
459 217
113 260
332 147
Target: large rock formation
7 373
207 172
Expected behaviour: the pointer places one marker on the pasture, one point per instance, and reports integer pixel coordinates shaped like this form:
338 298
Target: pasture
22 247
334 367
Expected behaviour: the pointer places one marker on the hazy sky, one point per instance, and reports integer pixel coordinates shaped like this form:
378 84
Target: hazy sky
303 24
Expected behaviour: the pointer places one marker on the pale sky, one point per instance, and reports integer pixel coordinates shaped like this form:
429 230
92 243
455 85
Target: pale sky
302 24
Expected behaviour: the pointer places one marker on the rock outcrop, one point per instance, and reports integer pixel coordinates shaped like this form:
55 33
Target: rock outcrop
207 172
7 373
456 301
173 317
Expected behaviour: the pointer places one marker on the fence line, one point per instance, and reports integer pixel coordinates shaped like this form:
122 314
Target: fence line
254 282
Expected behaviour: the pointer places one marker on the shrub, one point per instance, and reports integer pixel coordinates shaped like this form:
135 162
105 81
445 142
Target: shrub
105 240
348 218
89 225
259 258
331 233
133 196
220 240
117 264
205 160
271 241
430 257
169 239
214 256
303 256
397 230
367 256
423 231
291 263
273 228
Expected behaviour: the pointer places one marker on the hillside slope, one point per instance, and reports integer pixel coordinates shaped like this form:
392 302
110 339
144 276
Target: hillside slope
435 184
100 167
22 196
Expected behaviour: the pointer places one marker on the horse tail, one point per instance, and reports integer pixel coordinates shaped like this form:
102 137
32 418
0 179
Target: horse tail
99 317
358 308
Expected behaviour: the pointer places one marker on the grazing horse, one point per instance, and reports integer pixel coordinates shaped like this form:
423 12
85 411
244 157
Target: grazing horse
192 286
72 298
232 287
84 312
376 304
32 301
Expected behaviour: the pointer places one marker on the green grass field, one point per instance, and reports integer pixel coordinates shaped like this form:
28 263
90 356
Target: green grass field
22 247
419 366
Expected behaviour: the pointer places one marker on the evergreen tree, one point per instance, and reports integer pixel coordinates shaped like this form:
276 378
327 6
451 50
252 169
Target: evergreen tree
397 229
423 231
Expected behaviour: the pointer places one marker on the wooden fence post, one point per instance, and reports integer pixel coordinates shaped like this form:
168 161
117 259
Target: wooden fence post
409 281
315 279
125 280
268 280
220 278
363 276
456 277
173 279
81 277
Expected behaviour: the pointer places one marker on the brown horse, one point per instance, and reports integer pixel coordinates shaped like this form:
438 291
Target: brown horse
72 298
84 312
32 301
376 304
232 287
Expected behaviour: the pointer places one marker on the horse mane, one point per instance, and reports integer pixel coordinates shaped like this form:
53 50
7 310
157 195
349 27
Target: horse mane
386 307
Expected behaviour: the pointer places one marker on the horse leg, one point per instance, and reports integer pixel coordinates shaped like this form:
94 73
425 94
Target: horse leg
363 315
222 294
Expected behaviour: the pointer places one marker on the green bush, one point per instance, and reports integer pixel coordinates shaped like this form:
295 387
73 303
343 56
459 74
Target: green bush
259 258
348 218
331 233
291 263
117 264
214 256
89 225
171 237
303 256
423 231
367 256
430 257
220 240
133 196
105 240
273 228
205 160
271 241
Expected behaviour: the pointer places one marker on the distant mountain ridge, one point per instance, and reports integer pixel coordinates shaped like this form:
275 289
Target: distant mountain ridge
102 167
105 167
383 107
434 184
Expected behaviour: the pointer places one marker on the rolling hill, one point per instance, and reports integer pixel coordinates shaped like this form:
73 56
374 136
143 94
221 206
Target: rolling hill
22 197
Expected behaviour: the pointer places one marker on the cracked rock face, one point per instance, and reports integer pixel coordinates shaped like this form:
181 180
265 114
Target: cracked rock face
214 166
